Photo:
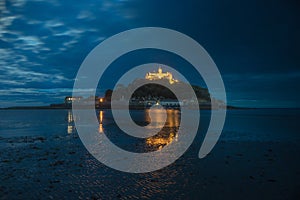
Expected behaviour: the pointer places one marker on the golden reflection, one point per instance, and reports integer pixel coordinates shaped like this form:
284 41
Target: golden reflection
101 121
157 117
101 116
70 129
173 118
100 128
168 134
70 117
160 142
70 122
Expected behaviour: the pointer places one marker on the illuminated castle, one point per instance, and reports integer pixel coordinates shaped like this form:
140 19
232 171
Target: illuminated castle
160 75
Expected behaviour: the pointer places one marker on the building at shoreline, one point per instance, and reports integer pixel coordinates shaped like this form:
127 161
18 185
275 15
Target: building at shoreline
159 75
70 99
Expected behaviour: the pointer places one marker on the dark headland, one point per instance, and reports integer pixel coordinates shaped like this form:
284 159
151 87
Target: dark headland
156 89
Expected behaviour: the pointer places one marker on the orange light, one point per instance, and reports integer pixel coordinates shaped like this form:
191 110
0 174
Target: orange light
101 116
100 128
100 119
101 100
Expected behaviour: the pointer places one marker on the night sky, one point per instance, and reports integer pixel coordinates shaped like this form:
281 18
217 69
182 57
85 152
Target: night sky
254 43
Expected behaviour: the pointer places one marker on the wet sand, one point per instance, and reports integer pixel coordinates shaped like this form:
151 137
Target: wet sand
59 167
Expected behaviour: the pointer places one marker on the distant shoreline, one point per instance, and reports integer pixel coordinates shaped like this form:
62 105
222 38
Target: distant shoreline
131 108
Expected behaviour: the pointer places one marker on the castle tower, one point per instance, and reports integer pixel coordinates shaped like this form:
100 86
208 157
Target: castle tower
160 75
159 70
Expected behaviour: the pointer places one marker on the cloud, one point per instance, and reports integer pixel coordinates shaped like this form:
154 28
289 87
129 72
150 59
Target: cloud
118 9
71 32
3 6
19 74
10 82
29 76
53 24
34 96
85 14
18 3
17 91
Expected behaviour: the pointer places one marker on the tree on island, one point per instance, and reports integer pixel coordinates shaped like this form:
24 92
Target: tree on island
108 94
150 90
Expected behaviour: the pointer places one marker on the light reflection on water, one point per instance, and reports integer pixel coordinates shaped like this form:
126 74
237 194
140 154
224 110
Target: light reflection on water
167 135
100 121
38 153
71 127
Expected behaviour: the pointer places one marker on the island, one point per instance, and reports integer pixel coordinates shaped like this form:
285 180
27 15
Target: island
152 92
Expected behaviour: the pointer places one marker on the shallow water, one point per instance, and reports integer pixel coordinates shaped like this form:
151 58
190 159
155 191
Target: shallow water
256 157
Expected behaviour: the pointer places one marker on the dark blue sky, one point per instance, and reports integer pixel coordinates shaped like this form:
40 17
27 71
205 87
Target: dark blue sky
254 43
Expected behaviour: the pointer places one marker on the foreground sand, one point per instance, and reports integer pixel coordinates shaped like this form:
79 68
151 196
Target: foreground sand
60 167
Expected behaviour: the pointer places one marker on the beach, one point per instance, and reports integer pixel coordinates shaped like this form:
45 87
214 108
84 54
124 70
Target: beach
256 157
